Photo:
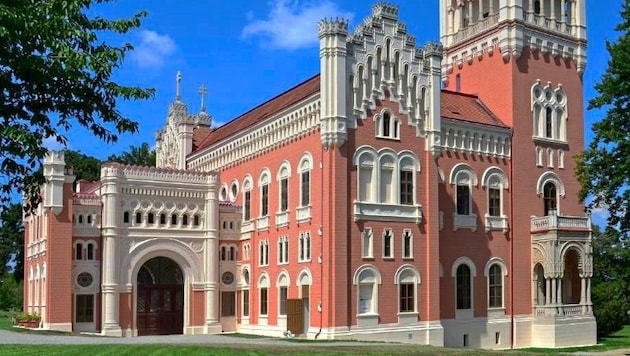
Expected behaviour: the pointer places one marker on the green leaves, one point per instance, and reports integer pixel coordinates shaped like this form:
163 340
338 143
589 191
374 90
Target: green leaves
56 74
142 155
603 169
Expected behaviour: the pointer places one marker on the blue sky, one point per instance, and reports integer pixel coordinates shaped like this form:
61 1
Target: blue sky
246 52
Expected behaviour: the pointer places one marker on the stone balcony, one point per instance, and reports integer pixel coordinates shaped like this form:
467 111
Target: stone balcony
555 222
567 310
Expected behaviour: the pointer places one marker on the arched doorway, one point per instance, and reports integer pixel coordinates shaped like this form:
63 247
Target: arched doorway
571 281
540 285
160 300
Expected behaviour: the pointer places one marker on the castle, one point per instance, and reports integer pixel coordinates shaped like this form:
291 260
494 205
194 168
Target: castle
405 193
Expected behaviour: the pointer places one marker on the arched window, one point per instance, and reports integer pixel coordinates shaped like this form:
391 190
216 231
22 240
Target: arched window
463 178
162 219
548 123
223 253
283 180
304 170
89 219
173 219
138 218
387 125
150 218
81 219
247 198
549 198
283 288
264 193
537 7
90 251
184 220
387 164
126 217
367 278
407 279
78 253
388 244
495 286
232 253
367 248
540 284
263 285
464 287
196 220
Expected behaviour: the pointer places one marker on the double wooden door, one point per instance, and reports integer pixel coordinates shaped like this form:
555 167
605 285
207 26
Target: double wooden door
160 309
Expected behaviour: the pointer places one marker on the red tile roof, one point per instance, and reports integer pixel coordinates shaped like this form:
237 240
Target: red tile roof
457 106
261 112
467 107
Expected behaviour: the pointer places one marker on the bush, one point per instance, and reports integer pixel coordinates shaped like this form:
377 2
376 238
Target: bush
610 307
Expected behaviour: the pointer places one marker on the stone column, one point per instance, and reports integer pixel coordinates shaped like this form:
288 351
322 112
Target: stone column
211 288
559 296
589 303
548 291
583 294
109 287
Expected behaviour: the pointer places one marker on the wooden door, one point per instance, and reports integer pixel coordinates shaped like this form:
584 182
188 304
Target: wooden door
295 316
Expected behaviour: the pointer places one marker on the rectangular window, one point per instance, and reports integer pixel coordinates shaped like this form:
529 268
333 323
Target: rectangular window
84 309
406 297
246 302
78 252
264 201
306 188
463 200
228 304
387 244
367 250
283 250
247 206
494 202
283 300
495 287
406 187
407 244
263 301
284 194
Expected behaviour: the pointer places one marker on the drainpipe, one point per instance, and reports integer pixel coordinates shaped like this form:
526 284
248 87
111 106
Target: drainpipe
511 237
320 232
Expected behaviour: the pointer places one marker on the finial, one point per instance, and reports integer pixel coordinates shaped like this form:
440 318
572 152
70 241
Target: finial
178 96
203 91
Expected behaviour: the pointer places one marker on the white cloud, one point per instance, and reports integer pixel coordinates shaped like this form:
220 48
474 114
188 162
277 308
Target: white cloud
152 50
292 24
51 144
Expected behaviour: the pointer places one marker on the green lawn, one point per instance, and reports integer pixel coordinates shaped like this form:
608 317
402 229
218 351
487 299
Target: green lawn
618 340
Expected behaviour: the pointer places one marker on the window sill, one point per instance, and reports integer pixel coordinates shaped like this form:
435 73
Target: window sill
387 212
551 141
387 138
262 223
303 214
465 222
409 258
388 258
247 226
263 320
496 312
304 261
367 319
496 223
282 218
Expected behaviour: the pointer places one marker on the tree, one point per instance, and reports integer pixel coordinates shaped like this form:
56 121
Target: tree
12 242
611 280
84 166
55 73
142 155
603 169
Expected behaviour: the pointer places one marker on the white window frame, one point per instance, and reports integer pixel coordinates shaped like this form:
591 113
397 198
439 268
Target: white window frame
463 175
394 125
407 254
494 178
407 274
283 250
496 261
284 172
263 283
543 98
283 282
367 243
306 166
388 234
263 250
464 313
247 187
367 274
305 246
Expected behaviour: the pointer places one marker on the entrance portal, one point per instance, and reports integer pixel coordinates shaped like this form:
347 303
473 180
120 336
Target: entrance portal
160 306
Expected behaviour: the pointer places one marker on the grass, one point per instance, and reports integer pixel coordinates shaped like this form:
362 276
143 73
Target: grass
618 340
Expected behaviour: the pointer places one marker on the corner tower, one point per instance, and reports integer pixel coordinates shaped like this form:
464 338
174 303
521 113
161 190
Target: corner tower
525 59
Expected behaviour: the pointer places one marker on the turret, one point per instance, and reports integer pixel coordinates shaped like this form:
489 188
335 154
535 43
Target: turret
332 53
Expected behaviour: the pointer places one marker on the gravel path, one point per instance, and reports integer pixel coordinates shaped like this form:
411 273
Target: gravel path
8 337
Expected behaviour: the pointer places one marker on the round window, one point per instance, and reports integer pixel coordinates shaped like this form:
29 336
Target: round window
223 194
84 279
233 191
227 278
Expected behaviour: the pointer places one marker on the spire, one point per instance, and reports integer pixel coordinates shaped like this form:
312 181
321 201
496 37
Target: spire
203 91
178 78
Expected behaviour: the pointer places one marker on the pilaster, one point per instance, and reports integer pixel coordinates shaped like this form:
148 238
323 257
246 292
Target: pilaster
211 285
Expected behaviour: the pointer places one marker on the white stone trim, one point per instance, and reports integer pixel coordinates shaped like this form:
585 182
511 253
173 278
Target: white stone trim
484 140
550 177
279 129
